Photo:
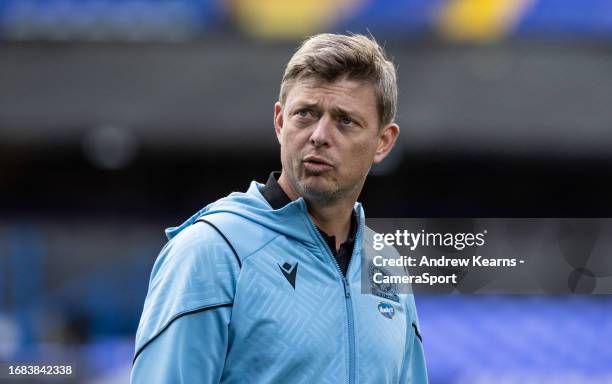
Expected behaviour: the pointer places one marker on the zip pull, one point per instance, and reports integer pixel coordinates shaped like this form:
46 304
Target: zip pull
347 289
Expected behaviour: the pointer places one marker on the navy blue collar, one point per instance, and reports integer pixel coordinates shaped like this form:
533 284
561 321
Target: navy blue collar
273 193
277 198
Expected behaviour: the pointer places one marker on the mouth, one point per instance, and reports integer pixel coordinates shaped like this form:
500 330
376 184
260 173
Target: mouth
316 164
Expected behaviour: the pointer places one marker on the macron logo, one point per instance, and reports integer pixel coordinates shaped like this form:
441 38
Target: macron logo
290 272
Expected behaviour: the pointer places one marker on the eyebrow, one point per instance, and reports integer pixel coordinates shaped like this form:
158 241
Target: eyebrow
305 104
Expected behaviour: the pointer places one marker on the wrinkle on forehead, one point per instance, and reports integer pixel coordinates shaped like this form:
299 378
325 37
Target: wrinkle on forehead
347 93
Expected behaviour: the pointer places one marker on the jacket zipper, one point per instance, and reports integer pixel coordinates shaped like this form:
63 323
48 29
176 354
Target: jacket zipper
347 297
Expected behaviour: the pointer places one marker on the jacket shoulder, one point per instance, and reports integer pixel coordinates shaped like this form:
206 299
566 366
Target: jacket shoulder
244 235
195 270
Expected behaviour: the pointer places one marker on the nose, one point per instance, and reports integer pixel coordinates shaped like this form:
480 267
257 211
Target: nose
321 135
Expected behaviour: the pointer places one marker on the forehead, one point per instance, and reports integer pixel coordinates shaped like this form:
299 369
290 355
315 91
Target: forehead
346 94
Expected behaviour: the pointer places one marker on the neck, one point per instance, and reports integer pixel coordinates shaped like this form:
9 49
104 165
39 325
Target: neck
333 218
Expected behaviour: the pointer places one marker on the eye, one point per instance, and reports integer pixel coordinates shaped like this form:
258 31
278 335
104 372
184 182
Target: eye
305 113
346 120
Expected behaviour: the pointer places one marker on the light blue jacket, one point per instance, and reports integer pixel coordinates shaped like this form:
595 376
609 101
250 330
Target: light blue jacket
254 295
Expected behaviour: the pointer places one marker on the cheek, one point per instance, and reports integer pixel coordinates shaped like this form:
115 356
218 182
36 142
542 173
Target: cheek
361 156
294 140
286 152
290 146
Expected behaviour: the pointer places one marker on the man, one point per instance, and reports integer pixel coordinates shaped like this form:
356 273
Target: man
265 286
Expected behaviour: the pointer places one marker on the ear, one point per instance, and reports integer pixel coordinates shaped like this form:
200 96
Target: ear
278 120
386 140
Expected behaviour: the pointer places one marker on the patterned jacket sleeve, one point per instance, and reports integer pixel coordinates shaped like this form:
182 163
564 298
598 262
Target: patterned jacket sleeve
183 332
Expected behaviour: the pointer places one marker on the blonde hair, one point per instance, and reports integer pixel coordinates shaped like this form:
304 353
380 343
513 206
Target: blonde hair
330 57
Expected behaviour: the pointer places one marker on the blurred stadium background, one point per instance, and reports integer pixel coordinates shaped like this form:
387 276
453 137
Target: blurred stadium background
119 118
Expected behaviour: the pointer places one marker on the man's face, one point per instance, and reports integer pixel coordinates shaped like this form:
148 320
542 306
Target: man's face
329 135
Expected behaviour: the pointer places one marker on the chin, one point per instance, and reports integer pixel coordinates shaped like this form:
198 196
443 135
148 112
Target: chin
319 190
